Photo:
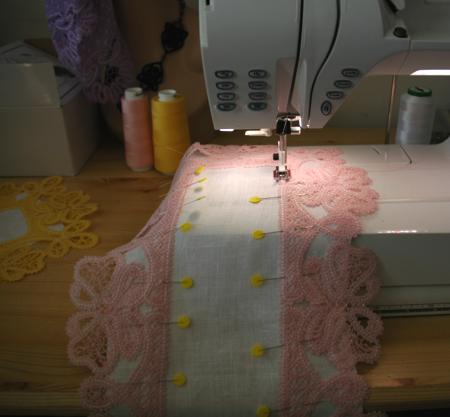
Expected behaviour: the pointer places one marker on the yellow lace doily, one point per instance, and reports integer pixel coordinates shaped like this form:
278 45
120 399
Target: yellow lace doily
40 219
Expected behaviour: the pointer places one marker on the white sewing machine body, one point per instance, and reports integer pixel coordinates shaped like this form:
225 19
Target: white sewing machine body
263 58
266 57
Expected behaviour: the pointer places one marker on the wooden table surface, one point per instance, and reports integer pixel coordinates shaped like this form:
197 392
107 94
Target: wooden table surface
36 377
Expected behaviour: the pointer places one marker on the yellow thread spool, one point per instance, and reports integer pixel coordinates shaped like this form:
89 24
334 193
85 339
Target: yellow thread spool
170 130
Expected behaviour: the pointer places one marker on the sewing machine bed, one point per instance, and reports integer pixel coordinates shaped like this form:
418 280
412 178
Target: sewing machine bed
203 313
410 232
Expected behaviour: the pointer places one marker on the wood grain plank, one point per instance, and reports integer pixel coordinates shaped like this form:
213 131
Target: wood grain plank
414 367
36 377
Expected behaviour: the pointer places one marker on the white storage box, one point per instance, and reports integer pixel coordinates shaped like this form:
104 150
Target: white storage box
47 126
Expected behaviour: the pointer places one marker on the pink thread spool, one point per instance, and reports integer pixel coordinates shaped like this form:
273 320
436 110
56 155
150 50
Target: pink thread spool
136 129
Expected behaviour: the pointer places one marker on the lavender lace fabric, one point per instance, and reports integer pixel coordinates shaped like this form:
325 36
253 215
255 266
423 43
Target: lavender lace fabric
87 39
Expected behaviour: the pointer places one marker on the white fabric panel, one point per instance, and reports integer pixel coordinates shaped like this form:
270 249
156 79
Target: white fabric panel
228 314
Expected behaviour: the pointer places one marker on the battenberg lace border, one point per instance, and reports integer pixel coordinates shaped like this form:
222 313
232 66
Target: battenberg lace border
324 298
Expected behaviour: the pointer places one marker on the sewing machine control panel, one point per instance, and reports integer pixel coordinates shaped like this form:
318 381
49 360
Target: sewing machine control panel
241 68
256 98
342 86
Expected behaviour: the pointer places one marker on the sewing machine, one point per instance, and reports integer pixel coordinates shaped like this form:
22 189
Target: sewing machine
289 64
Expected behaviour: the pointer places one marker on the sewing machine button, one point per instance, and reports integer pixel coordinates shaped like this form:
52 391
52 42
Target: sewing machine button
335 95
226 106
257 85
226 85
258 73
351 72
260 95
226 96
343 84
224 74
257 106
326 108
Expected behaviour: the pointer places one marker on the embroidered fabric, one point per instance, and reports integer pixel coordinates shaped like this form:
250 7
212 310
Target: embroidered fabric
88 42
123 306
53 223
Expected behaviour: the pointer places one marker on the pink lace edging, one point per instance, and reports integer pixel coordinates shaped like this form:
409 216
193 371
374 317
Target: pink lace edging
122 314
324 299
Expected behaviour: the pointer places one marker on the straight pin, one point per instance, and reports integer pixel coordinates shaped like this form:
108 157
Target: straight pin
259 234
258 350
184 186
183 322
256 199
258 280
265 411
185 227
193 201
179 379
198 181
186 282
199 170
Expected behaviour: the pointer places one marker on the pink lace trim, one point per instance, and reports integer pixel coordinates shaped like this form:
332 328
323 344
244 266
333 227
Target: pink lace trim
324 299
122 314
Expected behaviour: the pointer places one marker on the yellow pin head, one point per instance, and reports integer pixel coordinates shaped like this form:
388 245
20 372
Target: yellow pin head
257 351
183 322
255 200
201 180
187 282
257 280
258 234
179 379
186 227
263 411
199 170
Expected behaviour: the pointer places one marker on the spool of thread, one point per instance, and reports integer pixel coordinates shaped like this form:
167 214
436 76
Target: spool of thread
170 130
415 117
137 130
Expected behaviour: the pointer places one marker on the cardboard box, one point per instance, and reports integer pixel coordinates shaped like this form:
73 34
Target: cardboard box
47 126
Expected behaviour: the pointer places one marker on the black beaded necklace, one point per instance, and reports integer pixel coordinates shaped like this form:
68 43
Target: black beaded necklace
172 39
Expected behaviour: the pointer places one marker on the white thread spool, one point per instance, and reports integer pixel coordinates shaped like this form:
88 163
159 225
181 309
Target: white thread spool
415 117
